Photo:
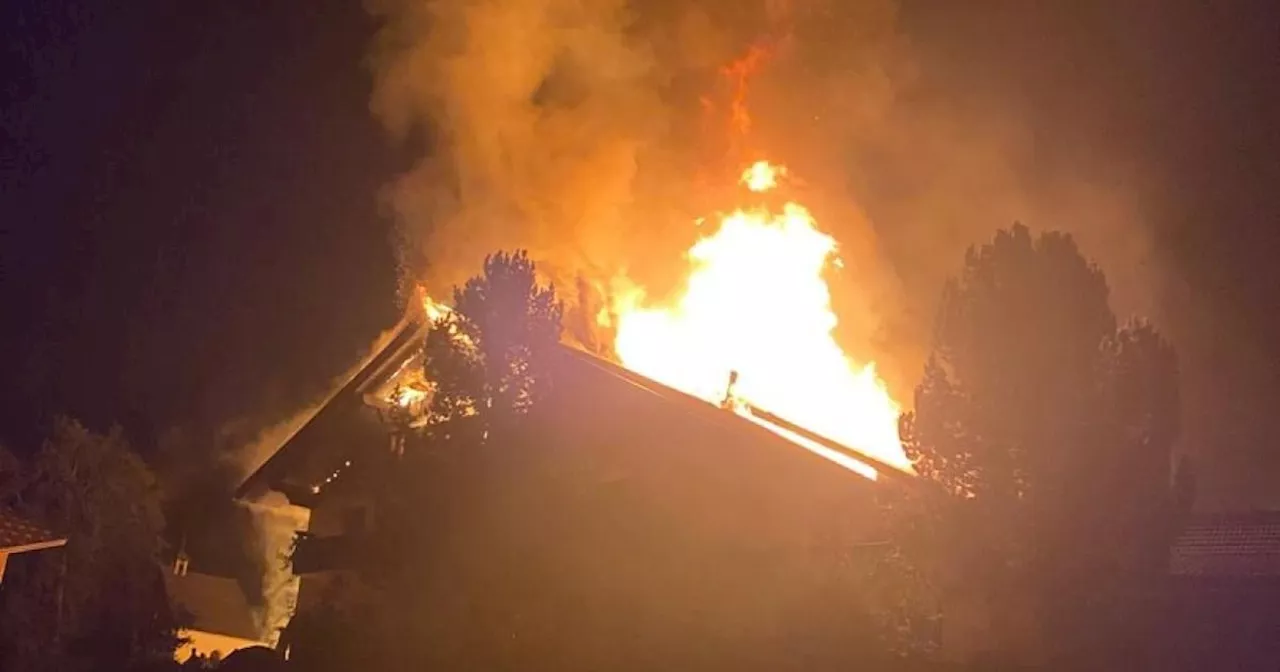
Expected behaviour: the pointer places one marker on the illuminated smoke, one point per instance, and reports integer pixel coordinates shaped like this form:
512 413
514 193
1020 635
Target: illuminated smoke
275 525
582 131
274 521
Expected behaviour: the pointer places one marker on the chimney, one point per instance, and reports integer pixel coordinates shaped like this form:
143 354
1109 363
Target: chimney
182 561
729 396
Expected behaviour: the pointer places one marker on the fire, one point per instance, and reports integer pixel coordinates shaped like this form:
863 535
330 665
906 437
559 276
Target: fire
433 309
406 397
753 328
762 176
756 306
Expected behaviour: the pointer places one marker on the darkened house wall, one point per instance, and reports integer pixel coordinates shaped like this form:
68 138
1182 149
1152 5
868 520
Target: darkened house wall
640 525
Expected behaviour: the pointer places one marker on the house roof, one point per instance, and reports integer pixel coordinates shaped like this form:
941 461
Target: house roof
1229 545
632 479
323 442
308 454
633 522
779 431
18 535
217 604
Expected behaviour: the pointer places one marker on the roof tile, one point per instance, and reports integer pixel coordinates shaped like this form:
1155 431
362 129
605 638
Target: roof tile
17 533
1242 544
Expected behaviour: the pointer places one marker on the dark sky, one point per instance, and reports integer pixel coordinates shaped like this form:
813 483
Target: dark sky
191 231
1190 92
190 223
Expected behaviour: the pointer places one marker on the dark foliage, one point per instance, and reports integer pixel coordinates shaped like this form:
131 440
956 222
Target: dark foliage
337 635
437 530
98 603
1046 434
486 357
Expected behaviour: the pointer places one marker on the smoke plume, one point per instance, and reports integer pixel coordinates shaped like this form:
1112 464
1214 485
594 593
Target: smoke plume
593 132
276 524
546 125
272 521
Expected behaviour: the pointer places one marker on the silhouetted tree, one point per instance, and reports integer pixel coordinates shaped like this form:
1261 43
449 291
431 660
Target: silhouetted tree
487 357
1045 435
98 603
442 572
345 630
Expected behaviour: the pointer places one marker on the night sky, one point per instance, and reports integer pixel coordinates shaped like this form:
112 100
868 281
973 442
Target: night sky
191 230
190 214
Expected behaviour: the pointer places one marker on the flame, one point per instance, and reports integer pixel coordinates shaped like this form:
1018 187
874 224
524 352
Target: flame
433 309
407 387
406 397
762 176
757 307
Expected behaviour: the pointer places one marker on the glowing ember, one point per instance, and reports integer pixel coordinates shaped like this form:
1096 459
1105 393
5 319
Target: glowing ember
755 302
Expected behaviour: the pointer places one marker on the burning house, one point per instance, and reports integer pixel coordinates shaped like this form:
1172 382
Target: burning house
651 460
677 517
663 498
681 523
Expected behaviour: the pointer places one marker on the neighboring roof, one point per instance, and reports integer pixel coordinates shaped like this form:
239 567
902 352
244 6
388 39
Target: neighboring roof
216 604
1229 545
18 535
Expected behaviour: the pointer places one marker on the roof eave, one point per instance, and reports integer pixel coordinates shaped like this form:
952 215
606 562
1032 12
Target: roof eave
36 546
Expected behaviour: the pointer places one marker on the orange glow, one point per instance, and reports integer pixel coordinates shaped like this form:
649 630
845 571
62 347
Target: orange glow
756 303
738 73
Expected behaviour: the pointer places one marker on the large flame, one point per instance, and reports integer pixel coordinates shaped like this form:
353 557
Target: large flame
756 306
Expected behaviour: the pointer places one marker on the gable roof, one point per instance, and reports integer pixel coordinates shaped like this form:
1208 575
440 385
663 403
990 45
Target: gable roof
217 604
634 522
780 432
631 478
320 444
288 469
18 535
1229 545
